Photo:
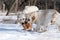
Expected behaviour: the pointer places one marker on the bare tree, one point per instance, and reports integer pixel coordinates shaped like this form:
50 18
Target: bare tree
35 2
54 4
3 7
46 5
16 8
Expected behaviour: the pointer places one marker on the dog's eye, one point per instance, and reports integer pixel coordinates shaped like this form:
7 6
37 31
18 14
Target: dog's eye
25 22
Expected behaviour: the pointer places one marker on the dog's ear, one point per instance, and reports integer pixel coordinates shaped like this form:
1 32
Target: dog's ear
33 18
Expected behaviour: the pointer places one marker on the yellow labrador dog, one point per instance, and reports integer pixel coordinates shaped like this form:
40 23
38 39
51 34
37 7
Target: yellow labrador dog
42 18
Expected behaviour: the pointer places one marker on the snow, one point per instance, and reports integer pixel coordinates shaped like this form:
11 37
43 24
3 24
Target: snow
8 19
10 32
3 13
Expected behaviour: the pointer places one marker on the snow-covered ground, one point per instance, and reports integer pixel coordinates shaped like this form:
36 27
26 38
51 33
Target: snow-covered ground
8 19
15 32
3 13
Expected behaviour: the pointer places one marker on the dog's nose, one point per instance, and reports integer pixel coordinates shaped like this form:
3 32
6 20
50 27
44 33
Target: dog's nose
25 22
22 23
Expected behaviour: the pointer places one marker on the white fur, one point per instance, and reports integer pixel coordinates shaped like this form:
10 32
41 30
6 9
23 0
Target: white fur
29 9
43 17
58 20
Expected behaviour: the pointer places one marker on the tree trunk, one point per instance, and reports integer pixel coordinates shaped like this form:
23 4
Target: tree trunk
54 4
35 2
16 8
7 12
3 7
46 5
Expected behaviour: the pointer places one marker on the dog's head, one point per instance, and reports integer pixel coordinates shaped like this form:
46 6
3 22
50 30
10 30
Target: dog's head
25 21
